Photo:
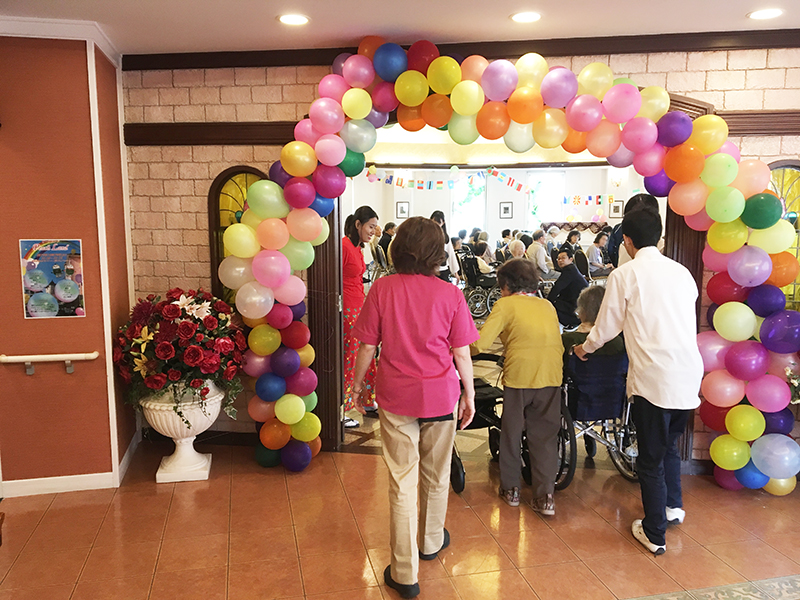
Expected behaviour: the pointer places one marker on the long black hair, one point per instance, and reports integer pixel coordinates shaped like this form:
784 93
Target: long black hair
438 216
361 215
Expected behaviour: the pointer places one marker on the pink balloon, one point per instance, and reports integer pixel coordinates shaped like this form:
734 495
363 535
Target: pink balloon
699 221
722 389
714 260
749 266
726 479
292 292
730 148
330 149
779 362
330 182
260 411
383 97
747 360
713 349
559 86
651 161
499 80
255 365
753 177
622 157
639 134
299 192
769 393
304 131
688 198
326 115
333 86
584 113
621 103
280 317
302 383
271 268
358 71
304 224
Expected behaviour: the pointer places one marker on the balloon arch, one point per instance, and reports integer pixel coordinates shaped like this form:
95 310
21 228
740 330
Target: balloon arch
525 103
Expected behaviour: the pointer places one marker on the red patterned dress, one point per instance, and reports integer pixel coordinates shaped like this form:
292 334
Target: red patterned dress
353 269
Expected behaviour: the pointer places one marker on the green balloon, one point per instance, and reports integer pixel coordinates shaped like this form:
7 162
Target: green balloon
265 199
725 204
762 211
719 170
310 401
353 163
266 457
463 130
619 80
300 254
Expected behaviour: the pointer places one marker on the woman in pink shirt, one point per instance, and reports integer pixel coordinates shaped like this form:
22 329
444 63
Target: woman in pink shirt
423 326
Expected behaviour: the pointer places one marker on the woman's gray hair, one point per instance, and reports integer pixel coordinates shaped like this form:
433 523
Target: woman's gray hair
589 303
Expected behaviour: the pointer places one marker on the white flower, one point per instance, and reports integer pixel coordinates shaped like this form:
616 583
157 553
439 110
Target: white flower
184 303
199 311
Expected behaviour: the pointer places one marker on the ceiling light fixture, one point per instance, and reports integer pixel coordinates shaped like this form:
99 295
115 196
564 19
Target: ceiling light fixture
293 19
767 13
526 17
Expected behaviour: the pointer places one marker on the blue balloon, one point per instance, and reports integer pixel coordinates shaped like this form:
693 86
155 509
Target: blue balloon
296 455
750 477
270 387
390 61
323 206
779 422
766 299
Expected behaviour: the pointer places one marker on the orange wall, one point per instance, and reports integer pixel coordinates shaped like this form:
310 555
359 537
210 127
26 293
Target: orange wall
51 423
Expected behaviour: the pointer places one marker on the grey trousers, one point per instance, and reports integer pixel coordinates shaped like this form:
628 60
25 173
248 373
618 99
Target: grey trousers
539 412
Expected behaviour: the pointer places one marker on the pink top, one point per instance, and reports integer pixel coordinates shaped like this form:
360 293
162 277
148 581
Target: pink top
417 319
353 269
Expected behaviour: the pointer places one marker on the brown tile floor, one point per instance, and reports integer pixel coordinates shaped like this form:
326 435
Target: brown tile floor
249 533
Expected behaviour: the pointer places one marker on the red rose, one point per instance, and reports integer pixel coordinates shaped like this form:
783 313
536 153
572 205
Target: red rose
151 297
174 374
196 383
223 345
210 363
133 331
241 342
186 330
184 343
222 307
238 356
230 372
191 293
199 337
165 351
167 331
155 382
116 354
171 311
125 373
193 356
204 296
210 323
174 294
205 391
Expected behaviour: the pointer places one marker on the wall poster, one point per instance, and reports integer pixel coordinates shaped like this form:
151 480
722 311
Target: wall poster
52 278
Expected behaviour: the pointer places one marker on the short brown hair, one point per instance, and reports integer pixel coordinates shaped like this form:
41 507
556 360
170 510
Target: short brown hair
417 248
518 275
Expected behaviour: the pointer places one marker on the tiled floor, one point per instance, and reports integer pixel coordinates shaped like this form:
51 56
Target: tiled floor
255 533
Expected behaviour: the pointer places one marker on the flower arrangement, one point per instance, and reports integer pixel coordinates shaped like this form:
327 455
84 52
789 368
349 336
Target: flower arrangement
179 344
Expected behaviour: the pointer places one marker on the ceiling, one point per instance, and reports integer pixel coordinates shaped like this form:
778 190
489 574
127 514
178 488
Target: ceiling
163 26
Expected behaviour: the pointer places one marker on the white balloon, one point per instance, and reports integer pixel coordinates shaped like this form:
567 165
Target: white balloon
253 300
234 272
359 135
519 137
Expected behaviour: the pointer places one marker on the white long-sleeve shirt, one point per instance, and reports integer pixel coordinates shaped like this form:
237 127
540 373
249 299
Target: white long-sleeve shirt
651 299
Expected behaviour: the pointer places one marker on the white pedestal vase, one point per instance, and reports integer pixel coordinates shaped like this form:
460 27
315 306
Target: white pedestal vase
185 464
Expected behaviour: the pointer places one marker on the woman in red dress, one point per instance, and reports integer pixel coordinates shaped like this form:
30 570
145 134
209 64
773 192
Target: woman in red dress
359 228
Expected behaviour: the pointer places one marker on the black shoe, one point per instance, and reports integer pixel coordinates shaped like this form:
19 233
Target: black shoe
405 590
370 413
445 544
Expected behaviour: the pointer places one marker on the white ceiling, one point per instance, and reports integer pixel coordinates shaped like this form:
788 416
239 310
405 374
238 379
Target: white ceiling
159 26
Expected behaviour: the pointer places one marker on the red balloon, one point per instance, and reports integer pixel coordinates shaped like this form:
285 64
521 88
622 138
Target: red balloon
721 289
420 56
714 416
295 335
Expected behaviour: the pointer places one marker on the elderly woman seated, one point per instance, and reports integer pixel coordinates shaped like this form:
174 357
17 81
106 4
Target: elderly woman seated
517 249
589 303
479 250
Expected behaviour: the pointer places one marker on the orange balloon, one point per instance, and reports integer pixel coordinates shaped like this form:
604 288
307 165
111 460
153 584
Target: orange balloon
575 142
525 105
260 411
684 163
410 117
254 322
274 434
770 192
436 110
493 120
604 140
369 44
272 234
315 445
473 67
785 269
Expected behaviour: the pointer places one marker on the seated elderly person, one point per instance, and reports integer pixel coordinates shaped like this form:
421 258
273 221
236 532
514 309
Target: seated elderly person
538 254
597 266
479 250
589 303
517 249
566 289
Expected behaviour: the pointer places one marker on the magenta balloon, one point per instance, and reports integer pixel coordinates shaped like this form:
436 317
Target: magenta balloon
255 365
383 97
280 317
584 113
713 348
559 86
326 115
750 266
747 360
768 393
304 131
621 103
622 157
333 86
730 148
651 161
339 61
358 71
329 181
302 383
699 221
778 363
726 479
500 79
714 260
271 268
299 192
721 388
639 134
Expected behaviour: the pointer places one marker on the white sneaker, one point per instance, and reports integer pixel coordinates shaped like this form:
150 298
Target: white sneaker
638 532
350 423
675 516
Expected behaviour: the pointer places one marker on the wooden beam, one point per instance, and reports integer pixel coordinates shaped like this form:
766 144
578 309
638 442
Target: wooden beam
275 133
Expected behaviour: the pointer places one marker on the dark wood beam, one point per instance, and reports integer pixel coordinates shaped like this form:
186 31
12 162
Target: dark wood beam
275 133
762 122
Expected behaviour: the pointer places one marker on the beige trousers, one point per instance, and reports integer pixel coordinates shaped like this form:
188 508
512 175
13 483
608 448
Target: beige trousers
418 457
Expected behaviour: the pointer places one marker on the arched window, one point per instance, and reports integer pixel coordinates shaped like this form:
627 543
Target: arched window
227 200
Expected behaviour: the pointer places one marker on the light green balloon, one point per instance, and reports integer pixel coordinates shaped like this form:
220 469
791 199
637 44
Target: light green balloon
628 80
323 235
265 199
300 254
725 204
774 239
310 401
463 130
735 321
719 170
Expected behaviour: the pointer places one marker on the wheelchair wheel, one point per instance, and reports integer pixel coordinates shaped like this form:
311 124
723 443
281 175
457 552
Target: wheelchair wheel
591 446
476 302
567 450
494 442
458 476
494 295
624 449
526 461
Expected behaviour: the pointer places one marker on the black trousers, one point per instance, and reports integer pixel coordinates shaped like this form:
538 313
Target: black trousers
658 464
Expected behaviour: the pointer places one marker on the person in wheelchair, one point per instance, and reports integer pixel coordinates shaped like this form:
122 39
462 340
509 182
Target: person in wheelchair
588 306
528 327
480 250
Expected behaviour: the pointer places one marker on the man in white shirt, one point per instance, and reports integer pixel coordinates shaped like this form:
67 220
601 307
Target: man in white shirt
537 252
651 299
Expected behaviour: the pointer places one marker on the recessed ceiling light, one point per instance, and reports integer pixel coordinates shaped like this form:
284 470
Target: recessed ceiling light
767 13
293 19
526 17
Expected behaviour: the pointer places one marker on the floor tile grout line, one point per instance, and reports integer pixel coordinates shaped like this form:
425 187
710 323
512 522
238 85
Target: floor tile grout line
161 543
294 532
27 541
94 541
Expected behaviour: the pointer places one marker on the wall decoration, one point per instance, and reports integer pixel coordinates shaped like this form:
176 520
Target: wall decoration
401 210
506 210
615 212
52 278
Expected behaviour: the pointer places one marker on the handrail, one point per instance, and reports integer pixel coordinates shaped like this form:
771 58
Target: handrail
29 359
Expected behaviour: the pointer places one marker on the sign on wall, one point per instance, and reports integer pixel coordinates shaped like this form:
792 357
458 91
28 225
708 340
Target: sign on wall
52 278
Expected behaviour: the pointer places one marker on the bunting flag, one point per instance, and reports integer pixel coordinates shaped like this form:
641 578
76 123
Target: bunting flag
451 184
400 182
420 184
440 185
389 179
411 183
475 179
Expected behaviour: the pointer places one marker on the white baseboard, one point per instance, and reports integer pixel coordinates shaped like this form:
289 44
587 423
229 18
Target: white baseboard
128 457
56 485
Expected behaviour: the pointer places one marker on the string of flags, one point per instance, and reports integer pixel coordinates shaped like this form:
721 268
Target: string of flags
597 200
433 184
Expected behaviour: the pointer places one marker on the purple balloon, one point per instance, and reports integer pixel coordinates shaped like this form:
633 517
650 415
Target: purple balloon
455 56
747 360
559 86
330 182
377 118
500 78
779 422
710 314
256 365
749 266
674 128
338 62
277 174
658 184
302 383
296 455
298 310
285 362
766 299
780 332
621 158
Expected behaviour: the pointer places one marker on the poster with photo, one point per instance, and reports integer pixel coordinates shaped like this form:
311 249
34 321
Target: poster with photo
52 278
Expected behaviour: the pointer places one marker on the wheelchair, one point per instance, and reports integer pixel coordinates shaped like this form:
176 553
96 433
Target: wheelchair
480 291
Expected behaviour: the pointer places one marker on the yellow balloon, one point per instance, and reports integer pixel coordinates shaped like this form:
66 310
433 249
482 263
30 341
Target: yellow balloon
727 237
307 355
709 132
254 322
264 340
745 422
655 103
467 98
531 69
411 88
298 159
240 240
729 453
550 129
775 239
735 321
356 103
443 74
596 79
307 428
781 487
251 219
290 409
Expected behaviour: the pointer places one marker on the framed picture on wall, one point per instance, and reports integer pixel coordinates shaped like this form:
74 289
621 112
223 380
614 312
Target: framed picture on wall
506 210
401 210
615 211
